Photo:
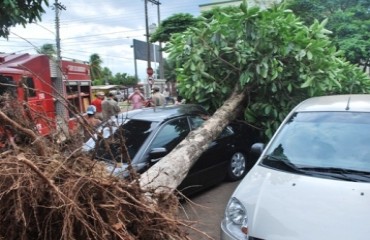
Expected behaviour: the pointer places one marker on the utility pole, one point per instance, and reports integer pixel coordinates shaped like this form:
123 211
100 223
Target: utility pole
61 110
149 69
161 66
147 33
160 60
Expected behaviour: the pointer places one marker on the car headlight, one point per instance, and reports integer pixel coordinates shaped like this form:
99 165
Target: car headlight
236 218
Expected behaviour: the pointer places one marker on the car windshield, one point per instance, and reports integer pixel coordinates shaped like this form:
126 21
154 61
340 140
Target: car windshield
323 142
134 133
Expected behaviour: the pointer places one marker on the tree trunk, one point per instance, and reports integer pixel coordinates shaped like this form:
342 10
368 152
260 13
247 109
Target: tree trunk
171 170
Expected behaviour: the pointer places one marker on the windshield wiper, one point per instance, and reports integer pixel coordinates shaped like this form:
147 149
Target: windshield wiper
281 162
346 174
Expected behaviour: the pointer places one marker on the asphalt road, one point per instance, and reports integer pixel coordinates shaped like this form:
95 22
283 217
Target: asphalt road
206 210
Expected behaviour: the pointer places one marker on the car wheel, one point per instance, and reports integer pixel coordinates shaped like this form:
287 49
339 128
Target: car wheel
237 167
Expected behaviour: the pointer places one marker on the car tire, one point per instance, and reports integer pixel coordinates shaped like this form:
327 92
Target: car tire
237 166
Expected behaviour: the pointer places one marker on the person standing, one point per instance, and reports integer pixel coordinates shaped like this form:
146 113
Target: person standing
136 99
157 98
110 107
167 96
97 103
91 120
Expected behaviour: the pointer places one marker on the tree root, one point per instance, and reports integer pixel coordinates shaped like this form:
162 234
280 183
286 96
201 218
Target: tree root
46 193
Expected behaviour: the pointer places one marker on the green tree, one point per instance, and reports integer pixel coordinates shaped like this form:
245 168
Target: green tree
349 22
15 12
269 56
95 67
176 23
107 75
124 79
48 49
169 70
245 58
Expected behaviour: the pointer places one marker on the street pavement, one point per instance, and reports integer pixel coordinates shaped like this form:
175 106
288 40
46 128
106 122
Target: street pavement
206 210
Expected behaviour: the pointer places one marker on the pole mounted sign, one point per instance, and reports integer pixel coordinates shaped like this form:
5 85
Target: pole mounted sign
149 71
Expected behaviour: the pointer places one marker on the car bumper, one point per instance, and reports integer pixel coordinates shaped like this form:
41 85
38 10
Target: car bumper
225 235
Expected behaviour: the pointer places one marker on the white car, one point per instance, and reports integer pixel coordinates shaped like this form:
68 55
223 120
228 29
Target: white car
312 180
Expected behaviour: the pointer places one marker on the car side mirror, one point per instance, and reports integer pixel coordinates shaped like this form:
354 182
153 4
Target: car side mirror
156 154
257 149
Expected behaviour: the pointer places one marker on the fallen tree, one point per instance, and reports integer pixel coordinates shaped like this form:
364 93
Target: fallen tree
262 62
166 175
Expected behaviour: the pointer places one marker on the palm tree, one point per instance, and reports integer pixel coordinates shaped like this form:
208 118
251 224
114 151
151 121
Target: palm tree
48 49
95 66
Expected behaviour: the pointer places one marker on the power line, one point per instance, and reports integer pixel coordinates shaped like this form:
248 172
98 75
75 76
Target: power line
112 13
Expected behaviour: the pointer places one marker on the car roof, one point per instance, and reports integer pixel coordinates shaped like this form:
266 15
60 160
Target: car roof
345 102
160 114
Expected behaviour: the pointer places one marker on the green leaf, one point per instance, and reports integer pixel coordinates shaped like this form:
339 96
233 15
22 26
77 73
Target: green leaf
290 87
244 78
307 83
268 109
309 55
273 88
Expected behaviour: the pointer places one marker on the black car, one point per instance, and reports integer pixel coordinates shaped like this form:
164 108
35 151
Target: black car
149 134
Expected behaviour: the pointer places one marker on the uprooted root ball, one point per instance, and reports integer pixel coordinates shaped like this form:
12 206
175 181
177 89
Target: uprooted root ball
53 192
53 198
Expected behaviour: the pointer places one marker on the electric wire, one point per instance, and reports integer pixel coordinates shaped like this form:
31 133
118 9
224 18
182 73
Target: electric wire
77 16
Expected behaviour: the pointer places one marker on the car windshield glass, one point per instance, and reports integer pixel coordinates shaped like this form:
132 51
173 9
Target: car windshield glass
322 141
134 133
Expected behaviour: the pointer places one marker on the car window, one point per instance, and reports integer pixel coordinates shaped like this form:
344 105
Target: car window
228 131
196 121
134 133
171 134
325 139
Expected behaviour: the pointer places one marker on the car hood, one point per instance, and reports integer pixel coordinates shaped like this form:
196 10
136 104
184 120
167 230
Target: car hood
288 206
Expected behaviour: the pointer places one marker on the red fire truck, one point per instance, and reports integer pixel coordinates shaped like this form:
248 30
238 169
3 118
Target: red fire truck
38 73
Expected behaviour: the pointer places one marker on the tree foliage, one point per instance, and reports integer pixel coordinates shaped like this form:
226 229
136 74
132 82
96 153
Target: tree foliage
349 22
124 79
269 53
95 67
48 49
177 23
15 12
169 70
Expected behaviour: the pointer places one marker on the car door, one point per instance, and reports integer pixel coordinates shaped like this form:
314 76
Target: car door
211 166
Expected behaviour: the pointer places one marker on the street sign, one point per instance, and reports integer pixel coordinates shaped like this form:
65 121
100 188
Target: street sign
149 71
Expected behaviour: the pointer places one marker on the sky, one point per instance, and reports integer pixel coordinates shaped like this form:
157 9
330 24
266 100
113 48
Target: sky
105 27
